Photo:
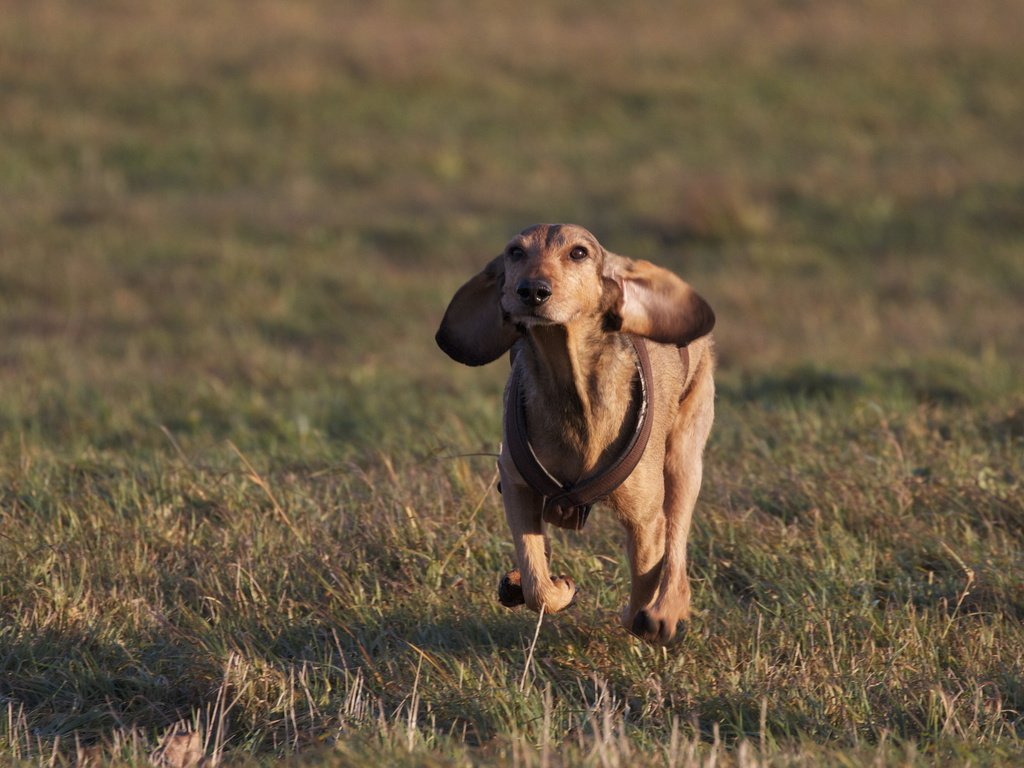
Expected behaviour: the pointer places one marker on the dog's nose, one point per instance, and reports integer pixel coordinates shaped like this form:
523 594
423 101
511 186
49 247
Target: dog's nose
533 293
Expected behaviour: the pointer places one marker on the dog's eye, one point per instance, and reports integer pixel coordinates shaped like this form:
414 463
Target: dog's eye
516 253
579 253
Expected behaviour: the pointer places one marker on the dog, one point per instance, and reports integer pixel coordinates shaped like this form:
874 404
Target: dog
578 321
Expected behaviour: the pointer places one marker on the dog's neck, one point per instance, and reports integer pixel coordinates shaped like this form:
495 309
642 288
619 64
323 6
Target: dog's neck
578 396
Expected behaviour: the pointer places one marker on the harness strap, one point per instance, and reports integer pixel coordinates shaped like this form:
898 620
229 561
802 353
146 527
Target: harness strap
574 500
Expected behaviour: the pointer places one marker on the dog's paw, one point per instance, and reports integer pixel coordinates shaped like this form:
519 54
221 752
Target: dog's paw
511 595
510 589
656 630
569 585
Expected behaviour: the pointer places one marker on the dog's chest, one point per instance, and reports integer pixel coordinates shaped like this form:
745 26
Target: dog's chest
571 445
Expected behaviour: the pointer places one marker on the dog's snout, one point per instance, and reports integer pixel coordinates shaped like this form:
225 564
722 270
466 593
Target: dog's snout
534 292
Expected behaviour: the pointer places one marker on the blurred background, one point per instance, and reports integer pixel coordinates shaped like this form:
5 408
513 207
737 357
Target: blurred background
244 219
236 472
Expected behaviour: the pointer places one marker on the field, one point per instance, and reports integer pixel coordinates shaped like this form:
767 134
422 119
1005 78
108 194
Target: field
247 507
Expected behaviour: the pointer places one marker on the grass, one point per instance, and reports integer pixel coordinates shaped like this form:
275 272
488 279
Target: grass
238 490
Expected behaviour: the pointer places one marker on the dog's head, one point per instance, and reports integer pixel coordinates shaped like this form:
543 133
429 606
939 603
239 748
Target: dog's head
559 274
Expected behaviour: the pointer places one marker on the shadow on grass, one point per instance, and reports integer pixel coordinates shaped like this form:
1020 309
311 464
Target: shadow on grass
799 383
71 685
945 384
75 687
396 631
462 669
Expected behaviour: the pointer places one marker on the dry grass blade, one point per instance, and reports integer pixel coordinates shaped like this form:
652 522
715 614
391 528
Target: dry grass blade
533 646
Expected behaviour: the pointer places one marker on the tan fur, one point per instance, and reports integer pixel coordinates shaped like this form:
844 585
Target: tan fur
577 367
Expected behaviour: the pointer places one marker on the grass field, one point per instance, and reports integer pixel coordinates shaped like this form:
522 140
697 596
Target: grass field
240 495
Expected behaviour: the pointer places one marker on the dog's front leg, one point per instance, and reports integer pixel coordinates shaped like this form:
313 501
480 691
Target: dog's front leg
683 469
523 507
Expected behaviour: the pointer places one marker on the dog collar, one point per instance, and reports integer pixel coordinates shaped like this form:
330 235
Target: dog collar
573 501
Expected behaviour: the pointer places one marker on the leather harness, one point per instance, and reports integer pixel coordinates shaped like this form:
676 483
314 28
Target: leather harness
574 500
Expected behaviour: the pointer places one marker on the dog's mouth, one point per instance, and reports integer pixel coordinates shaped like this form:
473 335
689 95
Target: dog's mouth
539 317
528 316
531 320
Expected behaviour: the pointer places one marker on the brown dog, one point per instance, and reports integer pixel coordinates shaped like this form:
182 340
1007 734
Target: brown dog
582 393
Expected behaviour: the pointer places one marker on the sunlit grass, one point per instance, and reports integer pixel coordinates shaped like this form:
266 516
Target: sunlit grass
244 496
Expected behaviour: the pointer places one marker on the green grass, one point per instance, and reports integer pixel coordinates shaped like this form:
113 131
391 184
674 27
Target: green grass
238 489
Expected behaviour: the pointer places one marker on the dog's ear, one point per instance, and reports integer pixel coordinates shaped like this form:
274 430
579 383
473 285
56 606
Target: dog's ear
645 299
474 330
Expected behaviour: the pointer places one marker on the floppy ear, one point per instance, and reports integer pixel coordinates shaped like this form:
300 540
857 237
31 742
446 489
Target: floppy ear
649 301
474 330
